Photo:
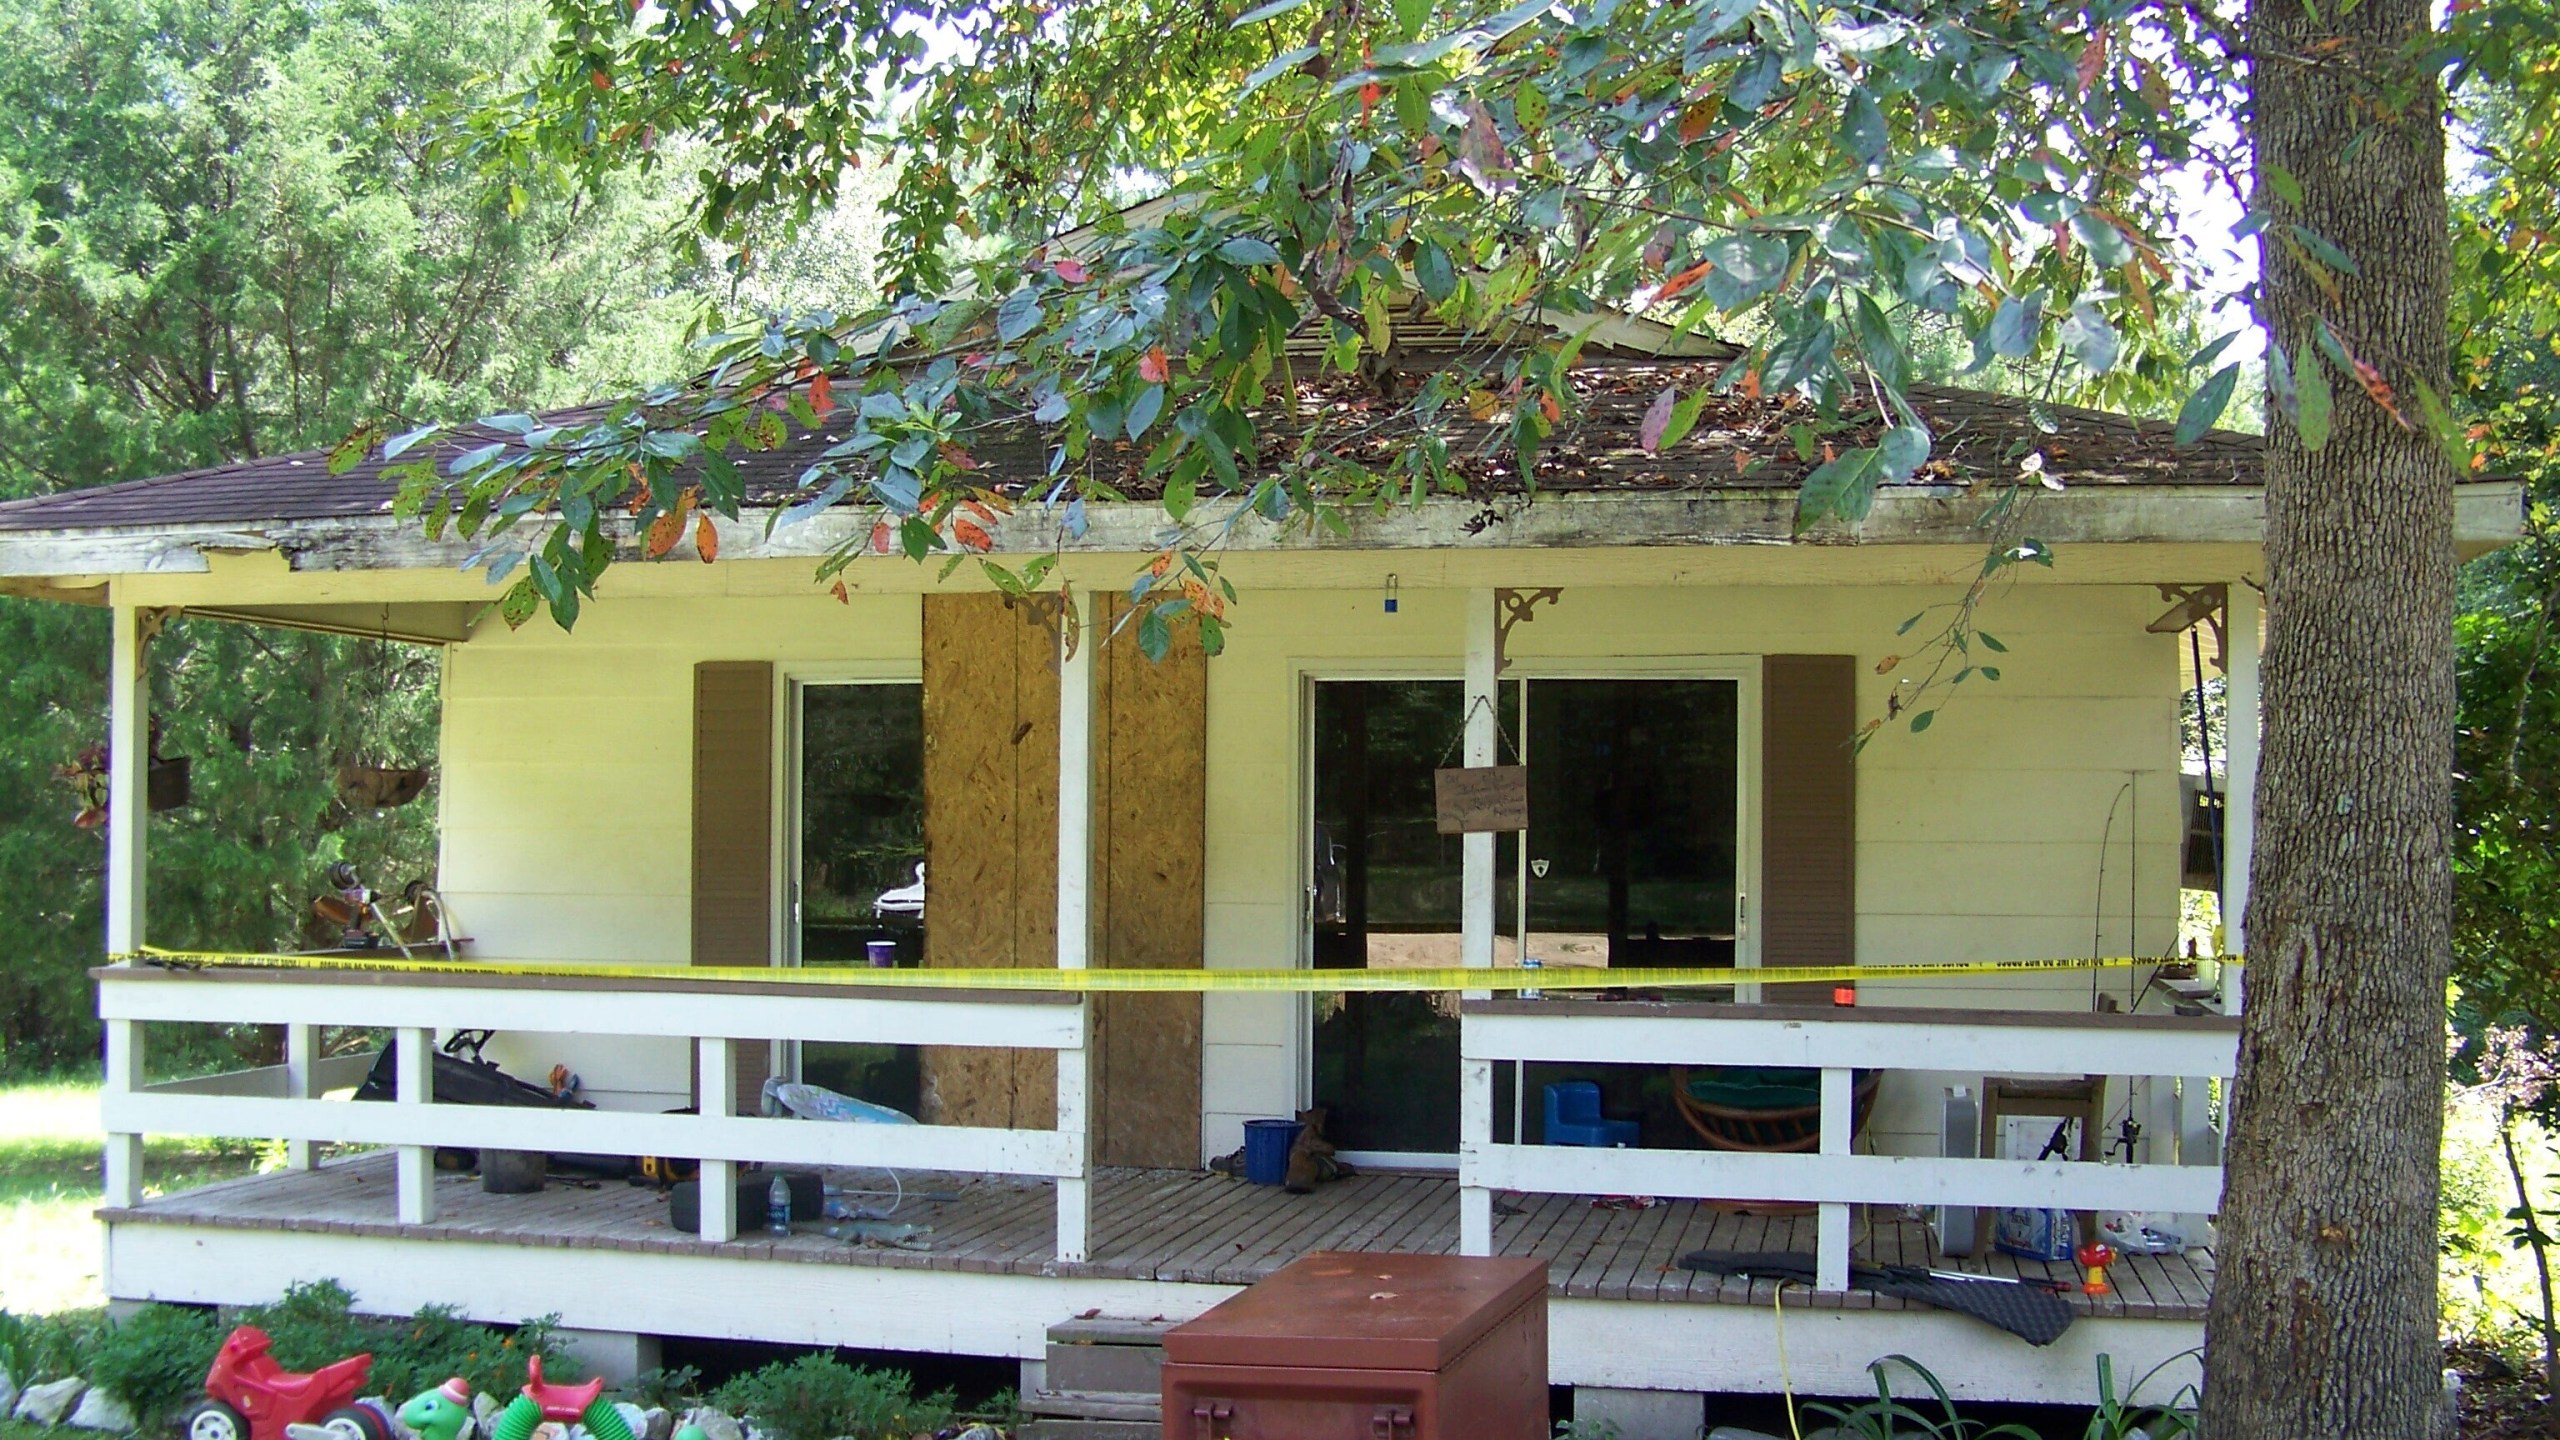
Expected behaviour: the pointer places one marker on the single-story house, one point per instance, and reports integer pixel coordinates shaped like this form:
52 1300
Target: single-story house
726 765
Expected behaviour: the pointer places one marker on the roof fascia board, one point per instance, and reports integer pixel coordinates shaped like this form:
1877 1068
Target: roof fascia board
2487 515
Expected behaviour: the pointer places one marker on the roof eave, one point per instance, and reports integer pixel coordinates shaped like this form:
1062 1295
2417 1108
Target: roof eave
2488 514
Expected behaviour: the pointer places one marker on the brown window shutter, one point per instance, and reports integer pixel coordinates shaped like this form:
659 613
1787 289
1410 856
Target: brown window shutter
1808 910
733 835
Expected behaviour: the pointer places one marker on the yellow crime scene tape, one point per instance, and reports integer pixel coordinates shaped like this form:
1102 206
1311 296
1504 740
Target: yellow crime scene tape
1416 979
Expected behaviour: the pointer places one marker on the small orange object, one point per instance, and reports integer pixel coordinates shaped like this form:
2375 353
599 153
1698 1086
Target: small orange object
2094 1259
1844 994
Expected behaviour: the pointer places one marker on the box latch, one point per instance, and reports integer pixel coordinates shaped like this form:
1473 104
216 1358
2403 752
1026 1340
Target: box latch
1209 1419
1391 1422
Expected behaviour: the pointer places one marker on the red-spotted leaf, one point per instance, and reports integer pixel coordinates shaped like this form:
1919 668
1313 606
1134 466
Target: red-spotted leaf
1657 419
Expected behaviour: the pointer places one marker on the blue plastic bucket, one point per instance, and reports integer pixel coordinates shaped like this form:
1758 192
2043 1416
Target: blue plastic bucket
1266 1149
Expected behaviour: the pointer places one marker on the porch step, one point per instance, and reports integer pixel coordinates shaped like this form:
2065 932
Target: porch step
1103 1380
1107 1356
1090 1430
1083 1405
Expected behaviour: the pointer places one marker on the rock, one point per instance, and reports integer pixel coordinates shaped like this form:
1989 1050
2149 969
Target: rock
714 1425
99 1410
655 1424
46 1404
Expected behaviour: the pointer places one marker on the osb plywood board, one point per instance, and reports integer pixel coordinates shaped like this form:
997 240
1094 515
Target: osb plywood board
976 748
1151 798
991 828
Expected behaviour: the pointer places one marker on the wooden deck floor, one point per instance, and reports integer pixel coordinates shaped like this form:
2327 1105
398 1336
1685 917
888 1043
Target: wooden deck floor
1173 1226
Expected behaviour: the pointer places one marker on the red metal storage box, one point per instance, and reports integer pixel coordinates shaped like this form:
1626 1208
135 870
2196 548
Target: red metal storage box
1345 1346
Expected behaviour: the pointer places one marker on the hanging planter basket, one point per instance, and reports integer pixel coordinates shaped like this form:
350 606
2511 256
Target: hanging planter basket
380 787
171 782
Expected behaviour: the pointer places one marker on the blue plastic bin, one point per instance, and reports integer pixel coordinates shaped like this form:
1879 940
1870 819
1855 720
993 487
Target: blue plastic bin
1266 1149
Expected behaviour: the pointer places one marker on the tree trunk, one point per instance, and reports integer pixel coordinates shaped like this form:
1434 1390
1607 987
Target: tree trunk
2323 1319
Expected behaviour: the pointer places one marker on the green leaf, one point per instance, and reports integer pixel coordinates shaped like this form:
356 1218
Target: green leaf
399 445
1155 637
1904 449
2204 408
1433 270
2281 181
519 603
1747 266
1248 250
2313 403
1144 410
1990 641
2015 323
2108 245
1863 133
2326 253
1844 487
1019 315
1922 720
1273 9
1277 66
2091 340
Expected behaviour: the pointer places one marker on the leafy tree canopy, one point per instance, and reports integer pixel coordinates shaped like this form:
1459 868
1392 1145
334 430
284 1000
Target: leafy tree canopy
1836 188
219 239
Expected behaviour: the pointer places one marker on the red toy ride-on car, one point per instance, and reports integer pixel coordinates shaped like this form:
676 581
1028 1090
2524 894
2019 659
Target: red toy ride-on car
248 1396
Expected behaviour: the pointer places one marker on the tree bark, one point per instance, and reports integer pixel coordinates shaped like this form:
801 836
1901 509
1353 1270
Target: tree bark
2324 1312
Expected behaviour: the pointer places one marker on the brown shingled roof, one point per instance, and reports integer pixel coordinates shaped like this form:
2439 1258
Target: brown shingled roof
1737 444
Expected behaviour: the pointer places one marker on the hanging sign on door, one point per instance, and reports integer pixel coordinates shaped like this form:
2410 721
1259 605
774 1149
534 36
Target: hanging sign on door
1482 797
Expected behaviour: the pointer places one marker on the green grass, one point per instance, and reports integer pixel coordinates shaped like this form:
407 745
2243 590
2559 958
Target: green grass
50 1148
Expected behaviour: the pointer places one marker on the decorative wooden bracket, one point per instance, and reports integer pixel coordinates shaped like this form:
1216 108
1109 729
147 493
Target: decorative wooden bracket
148 622
1516 607
2193 605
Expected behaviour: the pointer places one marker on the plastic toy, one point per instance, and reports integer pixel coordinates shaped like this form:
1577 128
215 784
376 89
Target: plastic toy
248 1396
440 1414
444 1413
2094 1259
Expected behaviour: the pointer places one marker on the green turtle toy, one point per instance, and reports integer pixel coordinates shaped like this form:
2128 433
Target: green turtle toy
443 1413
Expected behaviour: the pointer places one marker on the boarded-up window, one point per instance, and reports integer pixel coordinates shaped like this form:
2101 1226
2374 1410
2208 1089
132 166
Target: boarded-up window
733 835
991 866
1809 817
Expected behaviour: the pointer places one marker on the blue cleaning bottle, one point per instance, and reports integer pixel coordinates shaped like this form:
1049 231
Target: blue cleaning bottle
777 1206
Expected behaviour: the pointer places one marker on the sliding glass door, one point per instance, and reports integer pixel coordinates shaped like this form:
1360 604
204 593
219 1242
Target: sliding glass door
857 877
1633 857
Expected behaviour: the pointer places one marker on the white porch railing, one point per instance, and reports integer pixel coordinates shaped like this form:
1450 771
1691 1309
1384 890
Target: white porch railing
1838 1042
282 1102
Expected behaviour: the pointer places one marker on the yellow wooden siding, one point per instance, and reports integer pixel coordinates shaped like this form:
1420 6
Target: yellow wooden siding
566 788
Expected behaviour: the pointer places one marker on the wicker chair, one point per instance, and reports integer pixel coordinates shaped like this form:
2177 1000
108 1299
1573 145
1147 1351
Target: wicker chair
1765 1109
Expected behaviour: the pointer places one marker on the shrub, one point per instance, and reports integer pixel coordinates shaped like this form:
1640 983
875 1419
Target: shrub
312 1326
35 1348
154 1360
818 1397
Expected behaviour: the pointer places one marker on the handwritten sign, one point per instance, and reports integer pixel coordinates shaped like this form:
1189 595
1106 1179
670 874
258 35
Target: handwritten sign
1484 797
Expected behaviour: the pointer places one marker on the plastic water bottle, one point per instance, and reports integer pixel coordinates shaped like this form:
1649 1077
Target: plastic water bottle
777 1206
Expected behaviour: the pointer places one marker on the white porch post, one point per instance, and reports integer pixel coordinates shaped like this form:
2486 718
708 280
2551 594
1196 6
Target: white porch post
2240 798
414 1170
716 1066
1476 925
128 818
1831 1223
1077 640
301 1050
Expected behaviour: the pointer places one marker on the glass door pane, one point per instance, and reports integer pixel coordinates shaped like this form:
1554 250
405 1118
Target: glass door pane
1385 896
861 861
1633 856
